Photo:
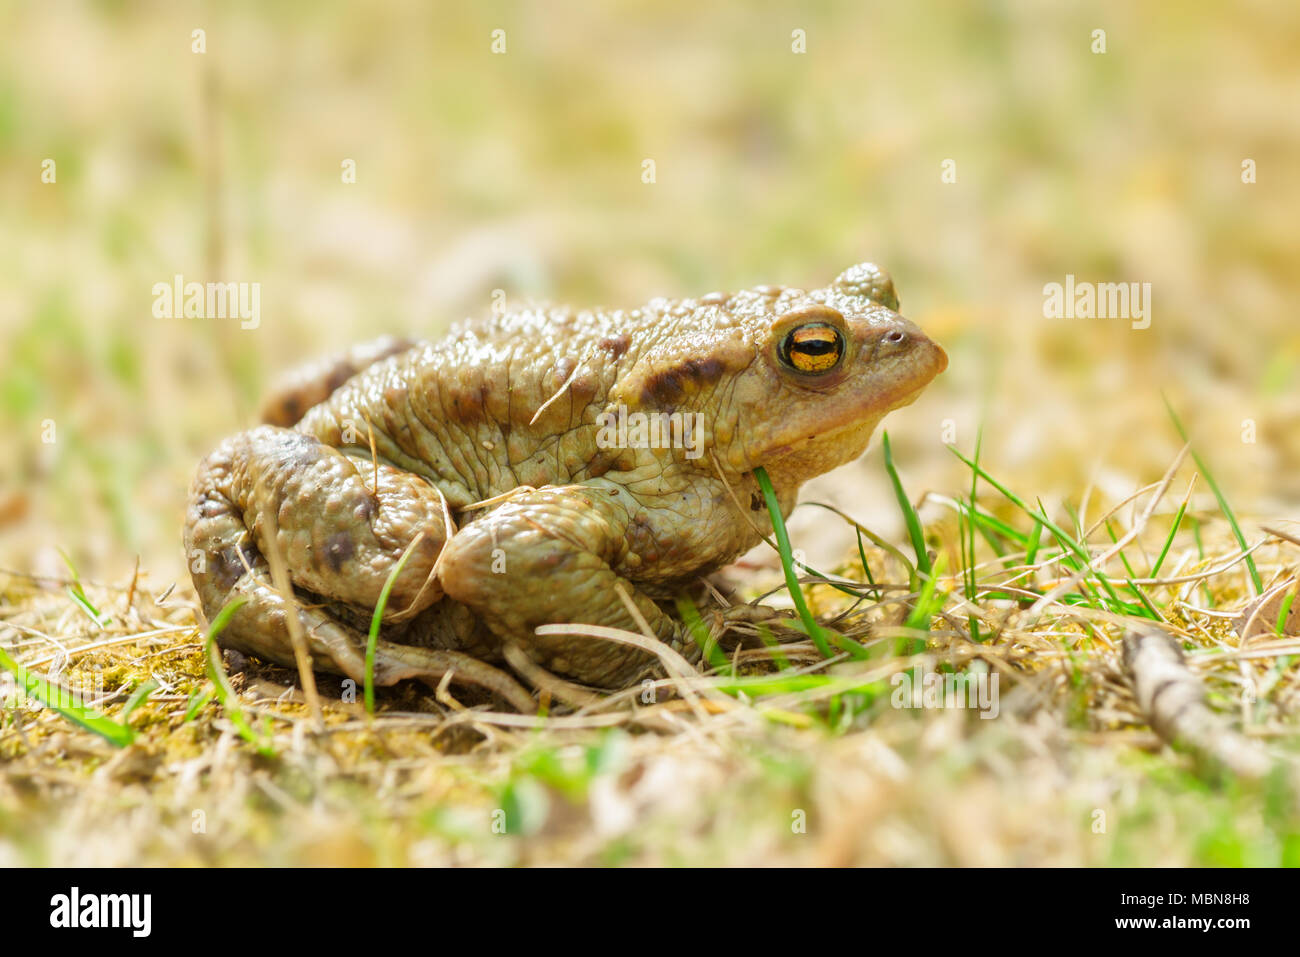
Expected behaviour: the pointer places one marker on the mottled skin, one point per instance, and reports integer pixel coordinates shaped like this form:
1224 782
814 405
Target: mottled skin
791 380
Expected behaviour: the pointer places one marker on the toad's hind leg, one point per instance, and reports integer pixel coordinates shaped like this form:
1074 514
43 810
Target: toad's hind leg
340 538
311 384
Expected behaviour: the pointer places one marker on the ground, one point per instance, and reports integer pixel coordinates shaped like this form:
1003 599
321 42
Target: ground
776 758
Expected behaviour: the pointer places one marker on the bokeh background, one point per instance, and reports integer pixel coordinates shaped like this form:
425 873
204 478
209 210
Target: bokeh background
523 171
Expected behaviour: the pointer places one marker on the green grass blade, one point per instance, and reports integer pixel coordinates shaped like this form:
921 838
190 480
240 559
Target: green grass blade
826 579
1149 610
927 606
862 557
94 614
225 694
1152 612
1110 530
1285 611
909 512
198 698
78 595
1031 546
1219 497
714 655
872 537
1169 541
787 564
759 685
372 640
138 697
993 528
58 699
1062 536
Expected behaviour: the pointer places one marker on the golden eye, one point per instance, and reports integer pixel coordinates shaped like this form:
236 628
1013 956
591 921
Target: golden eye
815 347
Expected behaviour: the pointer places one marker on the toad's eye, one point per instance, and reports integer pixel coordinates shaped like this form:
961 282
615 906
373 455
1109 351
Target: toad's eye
815 347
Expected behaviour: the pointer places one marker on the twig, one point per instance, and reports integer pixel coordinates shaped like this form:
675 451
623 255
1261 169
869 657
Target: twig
1173 702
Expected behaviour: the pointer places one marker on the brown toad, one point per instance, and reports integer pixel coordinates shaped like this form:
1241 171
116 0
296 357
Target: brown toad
582 457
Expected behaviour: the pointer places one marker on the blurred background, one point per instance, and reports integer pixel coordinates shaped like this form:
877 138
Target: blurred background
524 170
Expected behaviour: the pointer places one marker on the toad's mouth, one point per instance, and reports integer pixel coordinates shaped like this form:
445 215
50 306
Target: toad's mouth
909 397
828 435
851 429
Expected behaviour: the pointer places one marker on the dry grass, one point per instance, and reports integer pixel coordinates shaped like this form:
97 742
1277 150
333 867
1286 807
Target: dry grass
827 774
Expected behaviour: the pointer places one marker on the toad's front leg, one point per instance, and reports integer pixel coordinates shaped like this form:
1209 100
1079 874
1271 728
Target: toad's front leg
557 556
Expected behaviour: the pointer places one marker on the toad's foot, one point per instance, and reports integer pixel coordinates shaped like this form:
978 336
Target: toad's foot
557 556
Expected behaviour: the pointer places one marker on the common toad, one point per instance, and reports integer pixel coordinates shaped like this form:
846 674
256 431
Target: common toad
583 458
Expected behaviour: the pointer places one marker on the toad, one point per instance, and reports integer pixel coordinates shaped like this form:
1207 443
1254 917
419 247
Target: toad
550 465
